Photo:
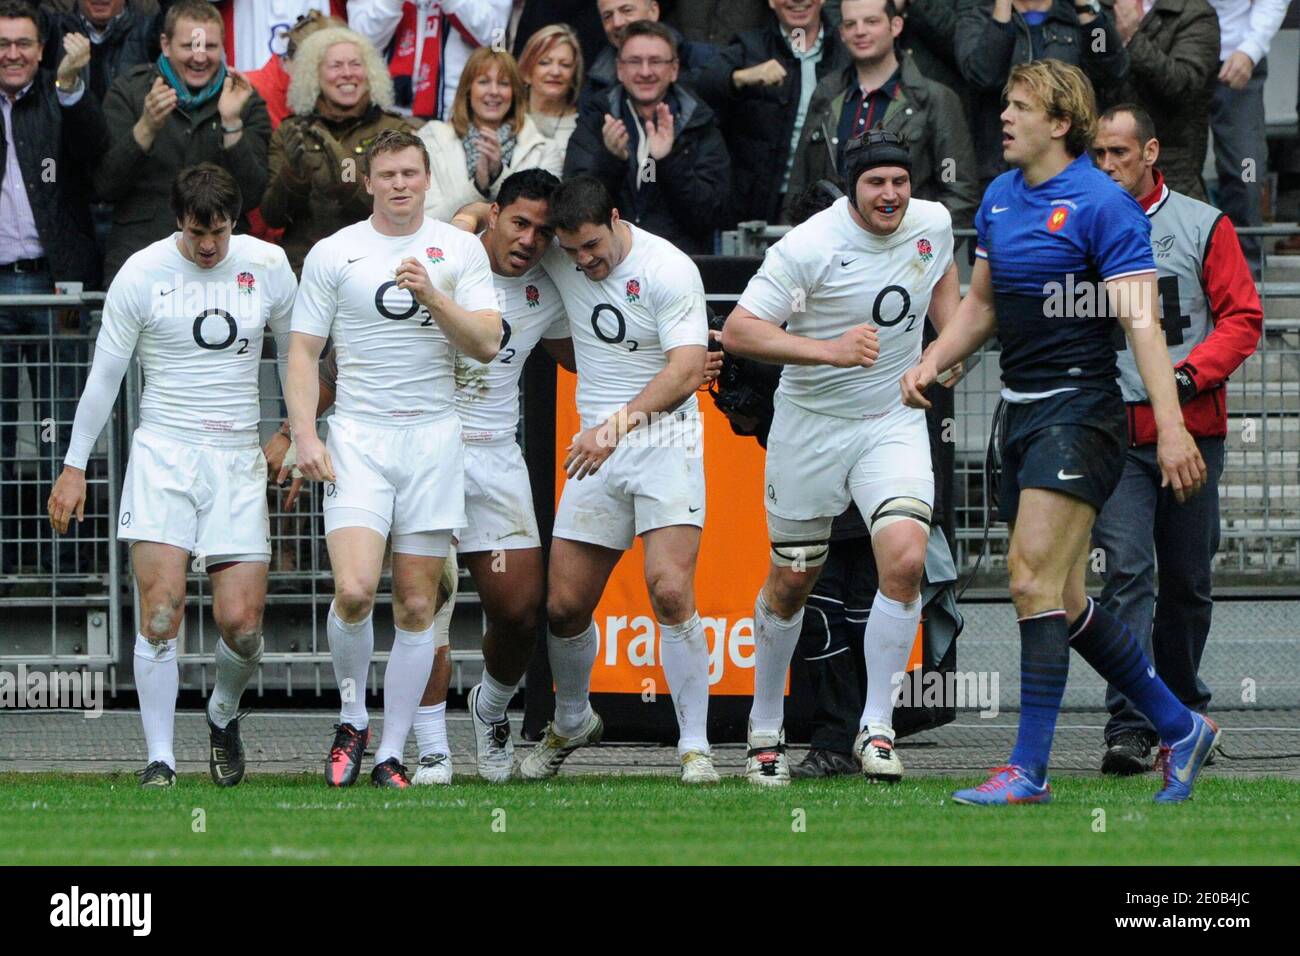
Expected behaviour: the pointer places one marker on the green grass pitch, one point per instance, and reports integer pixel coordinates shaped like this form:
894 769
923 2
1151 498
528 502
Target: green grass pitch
79 819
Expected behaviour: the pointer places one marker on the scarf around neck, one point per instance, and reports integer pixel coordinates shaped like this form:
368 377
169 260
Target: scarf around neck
184 98
505 135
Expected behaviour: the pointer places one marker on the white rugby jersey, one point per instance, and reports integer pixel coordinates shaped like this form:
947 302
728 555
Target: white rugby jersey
651 303
395 362
828 275
198 333
487 396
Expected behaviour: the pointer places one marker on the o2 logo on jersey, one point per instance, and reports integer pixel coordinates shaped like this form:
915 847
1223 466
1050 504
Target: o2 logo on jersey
202 331
620 325
505 354
1057 219
884 304
409 310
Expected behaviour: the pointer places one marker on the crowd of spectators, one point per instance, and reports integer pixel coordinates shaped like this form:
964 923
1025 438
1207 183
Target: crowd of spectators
698 115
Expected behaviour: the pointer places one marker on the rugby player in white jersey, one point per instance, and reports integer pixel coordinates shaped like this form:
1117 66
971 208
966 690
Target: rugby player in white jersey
399 294
841 301
500 543
640 332
193 306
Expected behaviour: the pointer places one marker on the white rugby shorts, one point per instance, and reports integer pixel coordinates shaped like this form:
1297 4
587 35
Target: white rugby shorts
208 499
654 479
498 499
817 464
409 476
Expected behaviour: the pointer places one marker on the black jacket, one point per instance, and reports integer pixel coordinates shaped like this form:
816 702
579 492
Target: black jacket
139 184
57 148
129 40
684 199
986 51
758 122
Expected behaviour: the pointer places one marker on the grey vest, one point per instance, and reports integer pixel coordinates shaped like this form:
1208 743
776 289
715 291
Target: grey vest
1180 236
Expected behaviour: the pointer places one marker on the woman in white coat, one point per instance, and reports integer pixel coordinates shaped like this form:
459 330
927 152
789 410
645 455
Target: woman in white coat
489 136
551 65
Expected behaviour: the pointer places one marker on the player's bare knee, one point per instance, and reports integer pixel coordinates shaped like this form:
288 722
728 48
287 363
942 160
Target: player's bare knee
901 578
1032 592
162 611
237 621
520 622
246 639
787 589
566 617
672 599
352 602
414 612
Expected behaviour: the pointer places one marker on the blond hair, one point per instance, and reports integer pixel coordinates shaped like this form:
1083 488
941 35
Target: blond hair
545 40
1065 93
479 62
304 69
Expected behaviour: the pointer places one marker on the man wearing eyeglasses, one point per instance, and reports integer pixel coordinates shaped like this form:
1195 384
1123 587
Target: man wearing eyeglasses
51 132
615 17
655 145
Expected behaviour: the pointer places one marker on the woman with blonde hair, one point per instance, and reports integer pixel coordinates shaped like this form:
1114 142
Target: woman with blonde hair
551 65
341 96
489 136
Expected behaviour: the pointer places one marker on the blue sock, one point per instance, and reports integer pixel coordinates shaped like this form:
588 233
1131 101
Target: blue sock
1106 643
1044 667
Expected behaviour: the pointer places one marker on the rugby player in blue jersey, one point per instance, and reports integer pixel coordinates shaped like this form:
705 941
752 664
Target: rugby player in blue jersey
1063 253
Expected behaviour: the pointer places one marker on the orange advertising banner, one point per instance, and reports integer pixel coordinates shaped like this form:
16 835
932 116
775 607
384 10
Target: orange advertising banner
732 565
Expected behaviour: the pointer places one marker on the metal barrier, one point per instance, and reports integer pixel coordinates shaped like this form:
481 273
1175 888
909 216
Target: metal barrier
58 599
70 602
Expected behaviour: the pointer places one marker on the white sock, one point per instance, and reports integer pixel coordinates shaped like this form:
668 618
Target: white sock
494 697
571 662
405 678
233 674
887 644
157 678
431 729
350 648
775 639
684 654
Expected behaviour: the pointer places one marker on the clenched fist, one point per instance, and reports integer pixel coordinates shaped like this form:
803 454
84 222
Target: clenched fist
858 347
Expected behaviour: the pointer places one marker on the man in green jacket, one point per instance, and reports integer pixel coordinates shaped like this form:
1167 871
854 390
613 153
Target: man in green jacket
1173 51
883 87
185 109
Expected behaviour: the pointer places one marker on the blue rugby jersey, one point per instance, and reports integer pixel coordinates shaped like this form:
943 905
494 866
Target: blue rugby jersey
1049 248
